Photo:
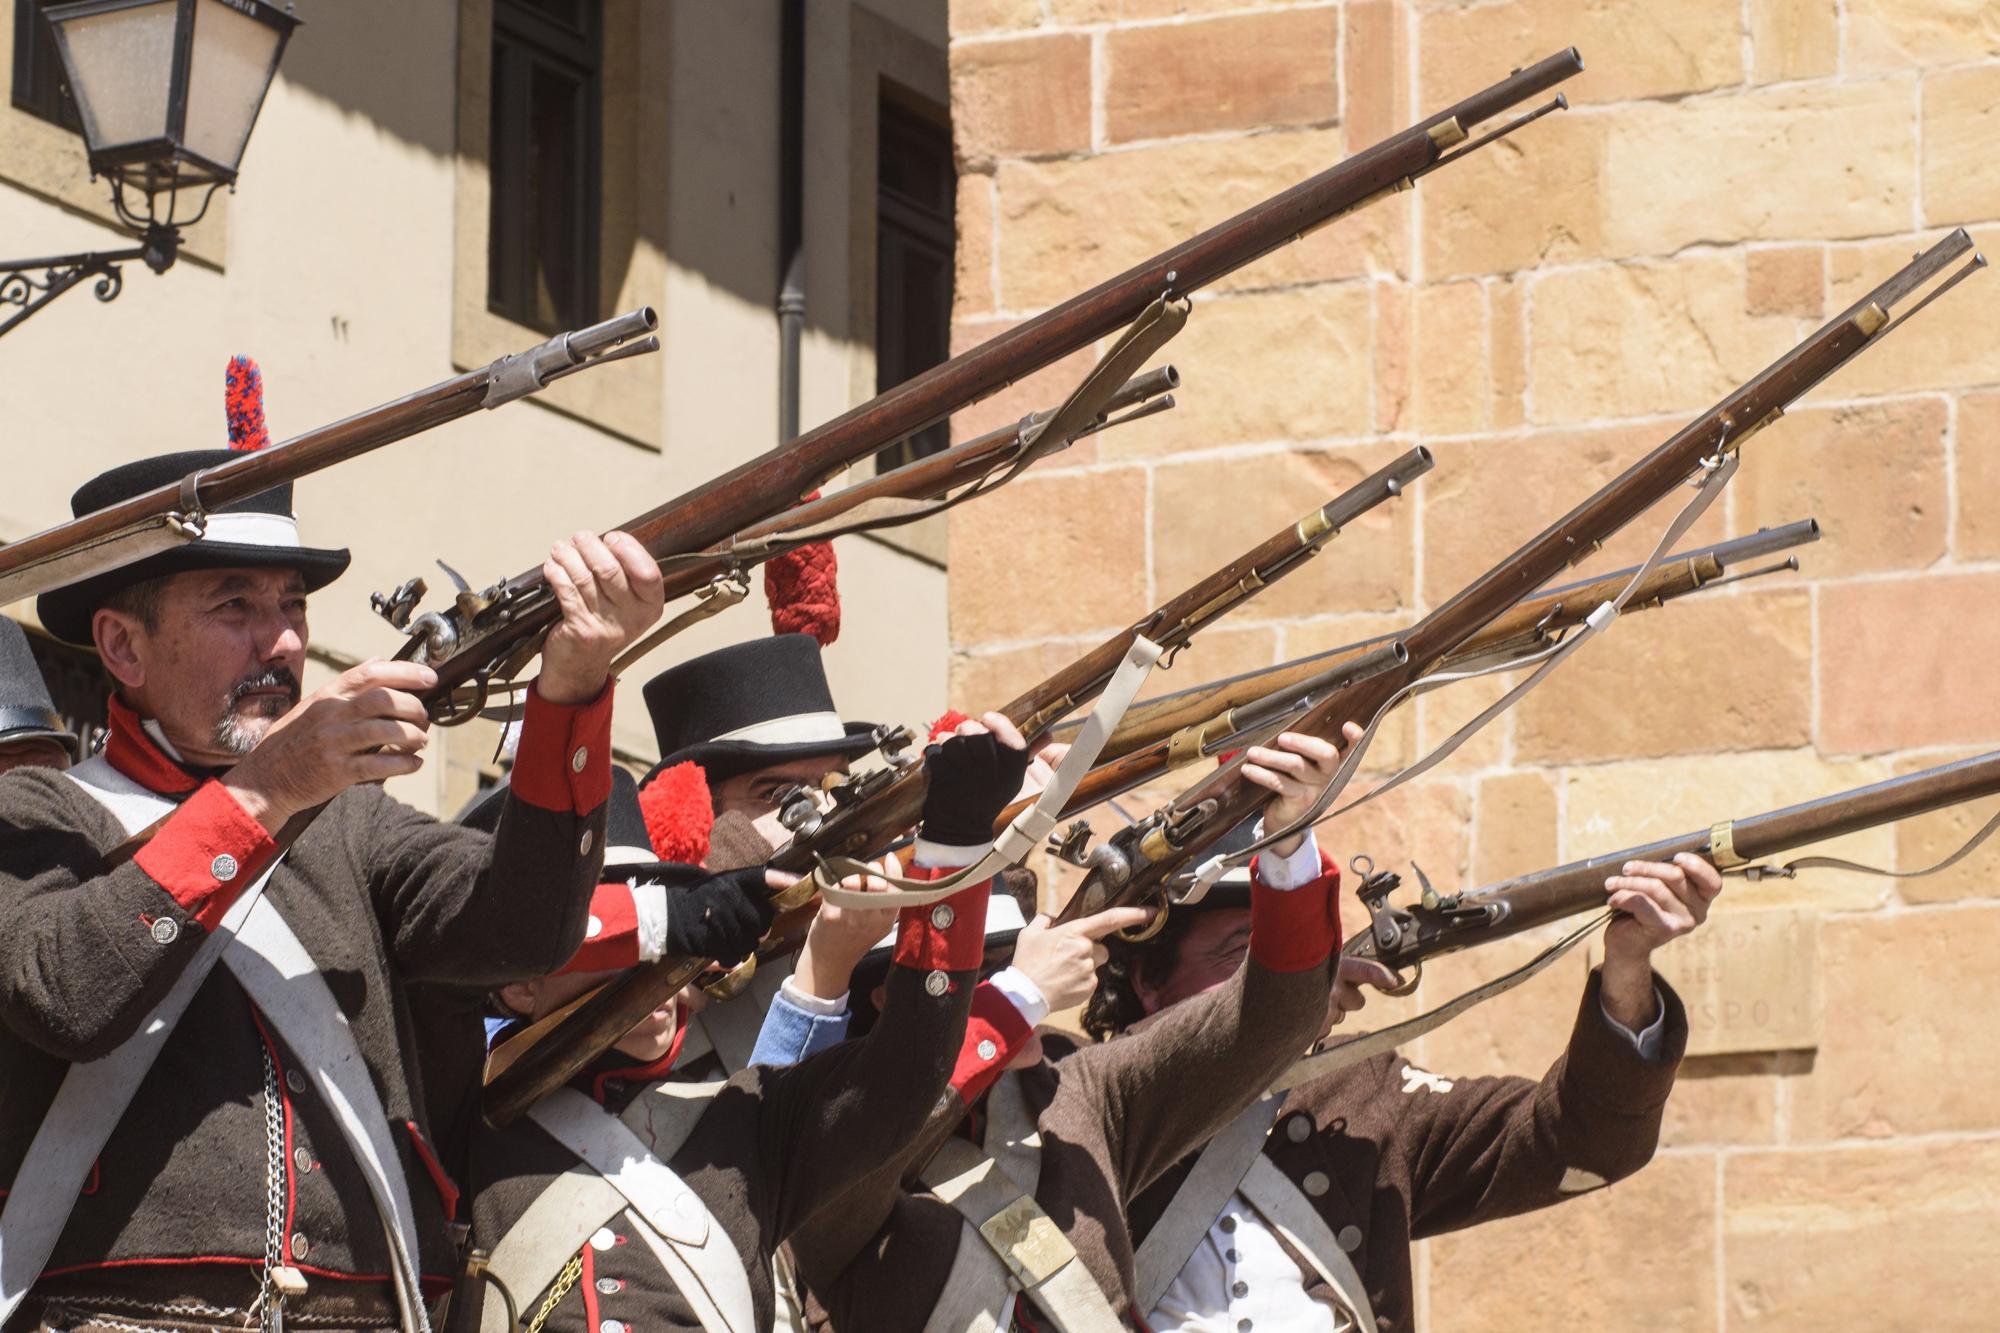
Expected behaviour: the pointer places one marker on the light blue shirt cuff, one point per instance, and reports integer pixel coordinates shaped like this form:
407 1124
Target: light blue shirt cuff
791 1033
1647 1043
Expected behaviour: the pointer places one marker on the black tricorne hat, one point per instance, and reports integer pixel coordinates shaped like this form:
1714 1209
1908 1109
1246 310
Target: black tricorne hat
748 706
625 839
259 532
27 712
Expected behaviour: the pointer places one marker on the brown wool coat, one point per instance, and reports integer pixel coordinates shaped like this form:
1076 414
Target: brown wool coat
380 895
772 1149
1112 1118
1398 1158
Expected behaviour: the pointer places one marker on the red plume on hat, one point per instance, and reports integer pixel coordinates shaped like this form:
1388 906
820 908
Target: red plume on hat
243 405
679 813
803 588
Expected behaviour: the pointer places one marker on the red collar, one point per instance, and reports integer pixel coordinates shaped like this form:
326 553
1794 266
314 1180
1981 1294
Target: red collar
133 751
647 1073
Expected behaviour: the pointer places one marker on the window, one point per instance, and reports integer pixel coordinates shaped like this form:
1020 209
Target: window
39 86
916 188
546 140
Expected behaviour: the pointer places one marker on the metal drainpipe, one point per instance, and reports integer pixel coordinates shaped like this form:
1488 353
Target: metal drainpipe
791 209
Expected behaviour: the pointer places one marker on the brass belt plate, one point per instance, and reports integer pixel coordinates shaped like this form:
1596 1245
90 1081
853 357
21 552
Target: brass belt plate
1031 1243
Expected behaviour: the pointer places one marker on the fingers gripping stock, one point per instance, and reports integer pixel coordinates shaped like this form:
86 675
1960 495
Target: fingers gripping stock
1028 828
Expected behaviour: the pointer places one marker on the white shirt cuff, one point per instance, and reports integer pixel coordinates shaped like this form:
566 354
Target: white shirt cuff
1647 1043
1022 993
944 856
813 1004
1285 873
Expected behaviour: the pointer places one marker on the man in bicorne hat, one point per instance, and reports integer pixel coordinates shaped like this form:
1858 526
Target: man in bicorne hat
31 731
1302 1214
255 1145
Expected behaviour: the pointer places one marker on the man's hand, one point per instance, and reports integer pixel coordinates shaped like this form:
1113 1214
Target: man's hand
365 725
1298 768
1063 960
724 916
840 937
1042 770
610 593
974 773
1352 975
1660 901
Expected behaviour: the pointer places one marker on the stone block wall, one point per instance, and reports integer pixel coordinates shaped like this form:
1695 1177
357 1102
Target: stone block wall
1731 172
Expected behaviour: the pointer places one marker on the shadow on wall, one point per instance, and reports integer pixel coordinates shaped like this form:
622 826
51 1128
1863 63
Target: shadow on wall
389 60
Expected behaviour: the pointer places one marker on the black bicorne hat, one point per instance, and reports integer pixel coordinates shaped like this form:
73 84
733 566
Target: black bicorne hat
259 533
27 712
626 843
750 705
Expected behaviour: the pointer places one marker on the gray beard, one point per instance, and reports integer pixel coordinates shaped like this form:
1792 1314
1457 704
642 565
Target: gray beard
238 735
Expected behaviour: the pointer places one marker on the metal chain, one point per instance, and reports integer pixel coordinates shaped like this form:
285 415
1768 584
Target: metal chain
271 1301
565 1280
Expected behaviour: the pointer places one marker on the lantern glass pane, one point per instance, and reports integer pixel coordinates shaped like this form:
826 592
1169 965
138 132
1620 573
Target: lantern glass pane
120 66
234 59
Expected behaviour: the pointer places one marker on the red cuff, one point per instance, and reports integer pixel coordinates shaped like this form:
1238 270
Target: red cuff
949 936
564 763
1296 930
611 937
207 853
994 1035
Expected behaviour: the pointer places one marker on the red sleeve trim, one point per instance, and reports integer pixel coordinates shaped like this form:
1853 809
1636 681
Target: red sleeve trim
210 832
995 1026
547 774
611 936
1296 930
935 939
447 1192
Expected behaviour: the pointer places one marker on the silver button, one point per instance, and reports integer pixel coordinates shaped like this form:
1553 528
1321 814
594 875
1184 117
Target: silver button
611 1326
609 1286
1316 1183
302 1159
937 983
987 1050
1240 1290
583 843
943 915
1244 1326
295 1080
580 759
593 928
1349 1238
1299 1128
1228 1224
299 1247
1232 1256
223 867
166 930
603 1239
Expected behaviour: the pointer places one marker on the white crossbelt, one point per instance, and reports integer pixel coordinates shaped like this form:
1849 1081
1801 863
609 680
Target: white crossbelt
690 1243
273 967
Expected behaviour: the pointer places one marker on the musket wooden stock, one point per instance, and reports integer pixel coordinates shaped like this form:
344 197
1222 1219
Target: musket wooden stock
1516 905
1135 862
708 515
886 805
166 516
1528 625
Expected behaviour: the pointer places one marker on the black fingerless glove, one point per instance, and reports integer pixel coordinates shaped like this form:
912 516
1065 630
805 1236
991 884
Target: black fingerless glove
721 917
973 778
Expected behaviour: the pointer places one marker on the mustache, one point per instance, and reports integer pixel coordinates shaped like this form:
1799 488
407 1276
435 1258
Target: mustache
271 678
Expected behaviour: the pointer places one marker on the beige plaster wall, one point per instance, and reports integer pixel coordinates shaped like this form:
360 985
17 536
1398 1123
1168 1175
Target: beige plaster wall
1732 171
343 270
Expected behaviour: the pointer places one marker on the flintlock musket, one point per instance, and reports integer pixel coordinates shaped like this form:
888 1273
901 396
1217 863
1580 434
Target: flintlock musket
485 635
1401 937
1174 730
1136 863
171 515
869 811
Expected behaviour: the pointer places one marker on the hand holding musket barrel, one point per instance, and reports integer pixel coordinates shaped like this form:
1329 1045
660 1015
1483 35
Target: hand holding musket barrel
873 810
1136 863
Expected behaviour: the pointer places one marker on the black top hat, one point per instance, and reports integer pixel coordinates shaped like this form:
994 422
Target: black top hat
26 711
259 532
626 842
748 706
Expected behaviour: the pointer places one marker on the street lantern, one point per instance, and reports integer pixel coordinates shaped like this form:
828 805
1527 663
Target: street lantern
168 91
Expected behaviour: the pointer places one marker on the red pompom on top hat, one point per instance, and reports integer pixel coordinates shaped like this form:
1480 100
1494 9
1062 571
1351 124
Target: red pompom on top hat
679 813
947 724
803 588
243 405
